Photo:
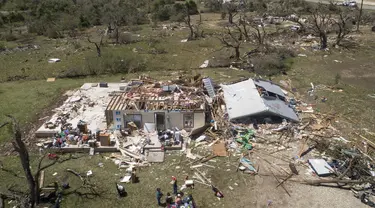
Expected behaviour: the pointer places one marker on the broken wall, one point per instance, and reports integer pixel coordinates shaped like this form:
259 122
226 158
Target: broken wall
172 118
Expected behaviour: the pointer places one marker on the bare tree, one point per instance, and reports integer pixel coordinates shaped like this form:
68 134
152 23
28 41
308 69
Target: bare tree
232 39
252 28
320 22
187 20
98 46
230 9
195 29
20 147
117 13
344 23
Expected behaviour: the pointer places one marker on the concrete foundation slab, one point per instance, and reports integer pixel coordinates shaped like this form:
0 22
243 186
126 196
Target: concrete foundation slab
155 156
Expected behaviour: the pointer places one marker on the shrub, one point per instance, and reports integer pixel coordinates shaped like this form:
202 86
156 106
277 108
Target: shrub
16 17
337 78
72 73
152 41
284 53
125 38
273 63
158 50
9 37
76 44
2 46
213 5
193 8
112 63
16 78
36 27
135 28
53 33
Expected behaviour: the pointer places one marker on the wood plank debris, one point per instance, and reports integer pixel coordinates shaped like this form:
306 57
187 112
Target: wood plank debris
220 149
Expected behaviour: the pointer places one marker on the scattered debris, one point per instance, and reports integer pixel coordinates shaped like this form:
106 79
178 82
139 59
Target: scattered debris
205 64
89 173
220 149
53 60
184 40
51 79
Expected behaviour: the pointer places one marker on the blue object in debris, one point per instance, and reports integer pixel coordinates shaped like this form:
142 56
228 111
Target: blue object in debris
247 163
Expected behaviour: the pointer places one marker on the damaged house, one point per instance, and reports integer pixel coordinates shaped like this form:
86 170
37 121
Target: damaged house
156 107
257 99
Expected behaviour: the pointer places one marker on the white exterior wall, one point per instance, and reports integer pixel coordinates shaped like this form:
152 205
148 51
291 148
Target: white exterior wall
118 123
199 120
172 118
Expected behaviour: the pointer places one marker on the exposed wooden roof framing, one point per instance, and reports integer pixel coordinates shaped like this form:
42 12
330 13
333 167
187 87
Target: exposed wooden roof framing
154 99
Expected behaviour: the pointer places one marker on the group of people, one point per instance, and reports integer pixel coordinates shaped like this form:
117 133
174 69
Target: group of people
177 202
170 137
179 199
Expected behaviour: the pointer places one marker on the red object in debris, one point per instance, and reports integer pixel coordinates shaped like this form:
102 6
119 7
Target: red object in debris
162 148
52 156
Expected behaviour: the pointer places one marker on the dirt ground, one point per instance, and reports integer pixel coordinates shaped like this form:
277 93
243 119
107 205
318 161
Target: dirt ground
301 195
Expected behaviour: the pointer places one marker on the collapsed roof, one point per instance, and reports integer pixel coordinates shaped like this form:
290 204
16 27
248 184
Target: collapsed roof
157 97
253 98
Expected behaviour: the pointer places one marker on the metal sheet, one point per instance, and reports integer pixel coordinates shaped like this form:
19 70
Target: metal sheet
269 86
320 167
242 99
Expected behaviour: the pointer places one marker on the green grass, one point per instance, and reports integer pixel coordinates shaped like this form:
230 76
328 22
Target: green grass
33 64
353 107
141 194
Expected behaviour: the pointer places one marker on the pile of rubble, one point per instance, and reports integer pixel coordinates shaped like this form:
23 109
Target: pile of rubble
313 146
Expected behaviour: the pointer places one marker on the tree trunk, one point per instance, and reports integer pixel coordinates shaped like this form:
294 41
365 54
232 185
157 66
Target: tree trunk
237 49
117 35
37 190
188 22
323 41
230 18
259 37
2 203
245 32
98 51
340 36
20 147
359 16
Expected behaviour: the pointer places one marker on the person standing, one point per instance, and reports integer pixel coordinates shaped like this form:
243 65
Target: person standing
174 185
120 190
178 200
192 201
169 200
159 194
